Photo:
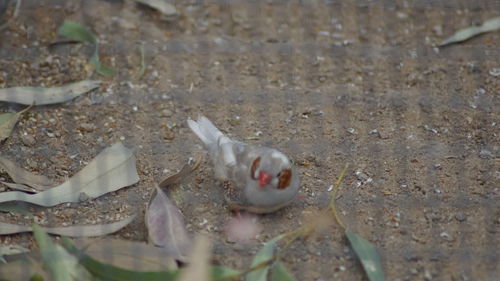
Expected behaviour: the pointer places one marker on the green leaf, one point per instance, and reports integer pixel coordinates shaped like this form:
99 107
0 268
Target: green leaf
99 67
79 32
265 254
224 273
62 266
368 256
110 272
280 273
22 270
469 32
76 32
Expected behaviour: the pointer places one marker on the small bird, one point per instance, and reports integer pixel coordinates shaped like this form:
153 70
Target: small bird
264 179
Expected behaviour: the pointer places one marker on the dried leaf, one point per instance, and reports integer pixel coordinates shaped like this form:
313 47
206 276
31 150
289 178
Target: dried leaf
181 175
105 271
469 32
166 228
8 121
41 96
19 187
265 254
6 250
280 273
71 231
109 171
16 208
79 32
161 5
198 268
132 255
21 176
62 265
368 256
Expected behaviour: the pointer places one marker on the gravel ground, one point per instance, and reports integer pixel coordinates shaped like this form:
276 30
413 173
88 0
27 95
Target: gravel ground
327 82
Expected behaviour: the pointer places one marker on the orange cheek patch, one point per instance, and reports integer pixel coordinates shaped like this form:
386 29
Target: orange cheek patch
255 165
285 178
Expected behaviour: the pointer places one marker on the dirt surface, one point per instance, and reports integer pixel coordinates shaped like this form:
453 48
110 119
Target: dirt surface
327 82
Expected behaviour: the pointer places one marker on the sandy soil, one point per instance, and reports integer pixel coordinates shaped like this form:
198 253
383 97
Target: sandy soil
327 82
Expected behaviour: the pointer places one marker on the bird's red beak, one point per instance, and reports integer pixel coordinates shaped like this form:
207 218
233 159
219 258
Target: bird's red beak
264 178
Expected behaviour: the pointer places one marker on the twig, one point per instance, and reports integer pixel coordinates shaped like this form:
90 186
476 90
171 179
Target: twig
332 206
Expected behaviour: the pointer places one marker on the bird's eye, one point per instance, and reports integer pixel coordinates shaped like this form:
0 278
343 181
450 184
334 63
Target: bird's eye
255 165
285 177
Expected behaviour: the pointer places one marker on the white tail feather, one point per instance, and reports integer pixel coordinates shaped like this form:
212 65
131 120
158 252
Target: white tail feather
205 130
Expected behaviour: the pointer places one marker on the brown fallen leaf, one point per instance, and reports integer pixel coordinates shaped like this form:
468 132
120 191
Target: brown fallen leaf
181 175
112 169
8 122
166 228
21 176
71 231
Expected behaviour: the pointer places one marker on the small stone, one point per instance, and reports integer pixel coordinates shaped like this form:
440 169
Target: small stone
446 236
495 72
486 154
166 113
50 134
361 176
28 140
461 217
437 167
87 127
427 275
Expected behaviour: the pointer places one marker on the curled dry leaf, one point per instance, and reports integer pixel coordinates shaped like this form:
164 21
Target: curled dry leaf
166 227
23 177
181 175
71 231
8 122
41 96
165 222
469 32
109 171
161 5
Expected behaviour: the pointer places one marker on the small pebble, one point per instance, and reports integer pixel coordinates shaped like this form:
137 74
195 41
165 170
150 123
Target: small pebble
362 176
166 113
28 140
461 217
486 154
437 167
87 127
50 134
495 72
